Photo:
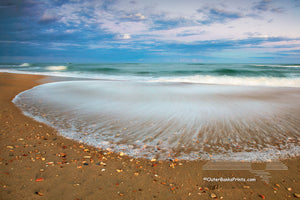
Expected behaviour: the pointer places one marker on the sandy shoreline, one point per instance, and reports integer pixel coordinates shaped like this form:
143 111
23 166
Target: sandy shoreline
31 151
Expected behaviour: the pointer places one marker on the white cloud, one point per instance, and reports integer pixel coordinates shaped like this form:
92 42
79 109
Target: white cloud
281 43
70 30
111 18
276 46
137 17
51 30
46 17
140 16
116 27
100 46
126 36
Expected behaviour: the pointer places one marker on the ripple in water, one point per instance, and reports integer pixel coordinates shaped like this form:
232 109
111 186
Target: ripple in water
171 120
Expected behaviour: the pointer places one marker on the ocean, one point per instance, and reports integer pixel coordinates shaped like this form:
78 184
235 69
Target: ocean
285 75
165 111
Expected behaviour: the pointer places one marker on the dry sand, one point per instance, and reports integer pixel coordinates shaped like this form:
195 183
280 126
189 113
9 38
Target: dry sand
37 163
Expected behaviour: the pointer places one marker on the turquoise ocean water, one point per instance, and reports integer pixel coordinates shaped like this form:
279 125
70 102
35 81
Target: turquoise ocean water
231 74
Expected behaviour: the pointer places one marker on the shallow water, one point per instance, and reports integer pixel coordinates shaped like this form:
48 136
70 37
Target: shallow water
171 120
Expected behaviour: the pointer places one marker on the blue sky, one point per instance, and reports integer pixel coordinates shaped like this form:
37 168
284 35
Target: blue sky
253 31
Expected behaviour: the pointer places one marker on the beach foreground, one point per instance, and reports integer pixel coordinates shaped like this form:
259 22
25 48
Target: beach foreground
36 163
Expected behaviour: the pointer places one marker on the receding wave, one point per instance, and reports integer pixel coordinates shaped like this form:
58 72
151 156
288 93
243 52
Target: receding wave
229 80
56 68
166 120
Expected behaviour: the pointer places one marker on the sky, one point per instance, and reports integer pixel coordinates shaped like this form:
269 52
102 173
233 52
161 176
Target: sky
214 31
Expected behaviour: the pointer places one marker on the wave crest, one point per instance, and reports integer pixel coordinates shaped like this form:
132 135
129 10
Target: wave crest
57 68
24 65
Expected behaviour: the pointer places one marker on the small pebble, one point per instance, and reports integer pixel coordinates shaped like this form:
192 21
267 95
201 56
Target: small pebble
87 157
289 189
262 196
212 195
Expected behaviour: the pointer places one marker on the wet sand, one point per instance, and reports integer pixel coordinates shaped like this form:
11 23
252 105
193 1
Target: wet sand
37 163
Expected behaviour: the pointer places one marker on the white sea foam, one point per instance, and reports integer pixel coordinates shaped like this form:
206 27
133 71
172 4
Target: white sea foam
57 68
291 66
229 80
24 65
164 120
288 66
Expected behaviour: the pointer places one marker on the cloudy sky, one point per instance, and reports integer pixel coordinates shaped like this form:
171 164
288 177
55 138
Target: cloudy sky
150 31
